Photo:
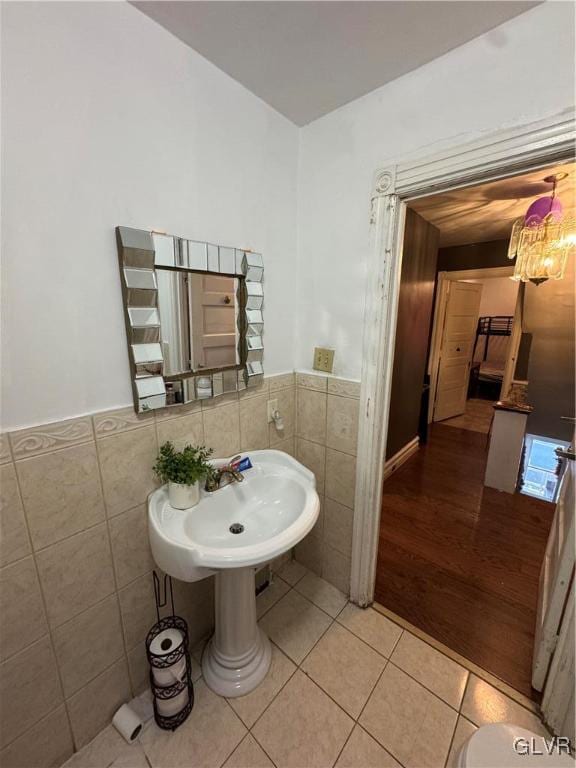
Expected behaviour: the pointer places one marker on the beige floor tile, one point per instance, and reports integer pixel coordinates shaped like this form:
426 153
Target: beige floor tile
46 745
292 572
270 596
322 594
362 751
345 668
302 726
370 626
295 624
248 754
250 707
336 568
205 740
104 750
484 704
433 669
414 725
464 729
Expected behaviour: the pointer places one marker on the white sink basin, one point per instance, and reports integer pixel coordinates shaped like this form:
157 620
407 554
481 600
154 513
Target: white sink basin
274 508
277 505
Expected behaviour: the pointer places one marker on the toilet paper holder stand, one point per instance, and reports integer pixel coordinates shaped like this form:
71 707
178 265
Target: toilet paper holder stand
169 657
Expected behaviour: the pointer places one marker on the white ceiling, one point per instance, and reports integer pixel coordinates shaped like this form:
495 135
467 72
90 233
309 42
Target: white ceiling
487 211
307 58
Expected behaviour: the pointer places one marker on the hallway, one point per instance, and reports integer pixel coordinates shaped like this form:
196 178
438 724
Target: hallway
460 561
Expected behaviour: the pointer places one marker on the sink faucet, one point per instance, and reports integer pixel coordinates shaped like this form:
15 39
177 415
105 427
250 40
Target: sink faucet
227 473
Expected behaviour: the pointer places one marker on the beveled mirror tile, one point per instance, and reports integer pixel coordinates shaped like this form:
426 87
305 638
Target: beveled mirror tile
338 525
370 626
345 668
61 493
311 381
340 477
187 430
250 707
207 738
311 415
336 568
280 381
126 462
88 644
433 669
344 387
120 420
362 751
21 607
287 406
409 721
342 424
254 424
46 745
176 411
302 708
29 689
76 573
14 541
222 430
93 707
313 456
50 437
131 545
5 453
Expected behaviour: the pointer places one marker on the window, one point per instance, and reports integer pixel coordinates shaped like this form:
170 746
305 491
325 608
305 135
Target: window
539 476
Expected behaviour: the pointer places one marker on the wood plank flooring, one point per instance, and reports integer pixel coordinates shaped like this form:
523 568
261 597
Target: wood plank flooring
461 561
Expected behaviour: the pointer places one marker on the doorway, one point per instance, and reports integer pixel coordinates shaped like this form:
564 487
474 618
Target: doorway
459 558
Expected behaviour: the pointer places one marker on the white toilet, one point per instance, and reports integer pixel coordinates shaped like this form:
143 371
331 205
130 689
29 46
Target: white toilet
492 746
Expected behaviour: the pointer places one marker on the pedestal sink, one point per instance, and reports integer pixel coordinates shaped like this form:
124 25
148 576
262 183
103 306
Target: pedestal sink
231 532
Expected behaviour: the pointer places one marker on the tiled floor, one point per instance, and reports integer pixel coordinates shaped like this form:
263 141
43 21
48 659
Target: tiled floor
477 417
347 687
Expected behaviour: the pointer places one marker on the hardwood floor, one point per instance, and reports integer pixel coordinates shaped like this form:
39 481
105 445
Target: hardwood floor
461 561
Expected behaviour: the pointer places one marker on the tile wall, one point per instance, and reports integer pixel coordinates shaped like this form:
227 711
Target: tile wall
76 595
326 440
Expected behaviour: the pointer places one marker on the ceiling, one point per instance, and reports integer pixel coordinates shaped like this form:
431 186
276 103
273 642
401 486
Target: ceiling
307 58
487 212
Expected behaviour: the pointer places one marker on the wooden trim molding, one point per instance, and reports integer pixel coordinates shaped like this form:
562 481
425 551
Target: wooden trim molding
503 153
401 457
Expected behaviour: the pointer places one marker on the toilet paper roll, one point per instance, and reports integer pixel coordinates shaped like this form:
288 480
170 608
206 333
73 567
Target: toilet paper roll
166 642
169 707
127 723
170 675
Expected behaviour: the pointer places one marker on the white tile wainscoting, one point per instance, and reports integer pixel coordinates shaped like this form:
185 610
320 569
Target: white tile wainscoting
76 594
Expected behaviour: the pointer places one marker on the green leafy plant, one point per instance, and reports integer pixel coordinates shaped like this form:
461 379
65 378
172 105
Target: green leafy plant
186 466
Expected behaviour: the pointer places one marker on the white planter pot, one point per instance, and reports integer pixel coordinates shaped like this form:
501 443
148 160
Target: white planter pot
183 496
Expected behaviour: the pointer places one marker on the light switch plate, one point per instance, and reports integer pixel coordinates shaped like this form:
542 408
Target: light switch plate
323 359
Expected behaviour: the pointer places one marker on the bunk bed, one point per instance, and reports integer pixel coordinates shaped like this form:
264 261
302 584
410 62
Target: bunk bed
489 361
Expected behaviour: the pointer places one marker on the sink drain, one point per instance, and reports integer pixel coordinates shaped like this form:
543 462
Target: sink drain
236 528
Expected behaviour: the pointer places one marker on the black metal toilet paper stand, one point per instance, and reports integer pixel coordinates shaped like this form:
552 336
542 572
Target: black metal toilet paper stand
168 659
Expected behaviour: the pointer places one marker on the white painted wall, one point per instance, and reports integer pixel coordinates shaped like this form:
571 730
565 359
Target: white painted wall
108 119
520 72
498 296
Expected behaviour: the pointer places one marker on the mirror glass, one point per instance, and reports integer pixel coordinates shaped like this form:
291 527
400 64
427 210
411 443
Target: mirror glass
198 320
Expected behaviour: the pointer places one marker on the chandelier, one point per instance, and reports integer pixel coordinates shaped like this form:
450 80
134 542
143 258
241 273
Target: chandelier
542 240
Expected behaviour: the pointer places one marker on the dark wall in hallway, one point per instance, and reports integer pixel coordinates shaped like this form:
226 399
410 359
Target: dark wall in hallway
475 256
413 330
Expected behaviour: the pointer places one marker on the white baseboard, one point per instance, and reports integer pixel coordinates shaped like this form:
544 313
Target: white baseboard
401 457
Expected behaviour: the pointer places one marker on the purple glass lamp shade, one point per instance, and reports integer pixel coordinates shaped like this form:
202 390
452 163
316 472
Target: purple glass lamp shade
540 208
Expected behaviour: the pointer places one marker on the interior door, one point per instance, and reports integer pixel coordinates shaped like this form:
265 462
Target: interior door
556 574
213 321
456 348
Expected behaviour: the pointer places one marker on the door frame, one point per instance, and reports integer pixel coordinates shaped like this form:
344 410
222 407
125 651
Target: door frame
444 279
506 152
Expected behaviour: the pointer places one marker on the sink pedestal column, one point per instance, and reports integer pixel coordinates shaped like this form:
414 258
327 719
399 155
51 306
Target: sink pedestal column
237 657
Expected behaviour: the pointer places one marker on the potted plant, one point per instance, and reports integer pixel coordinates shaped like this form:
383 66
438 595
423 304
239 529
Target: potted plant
183 470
